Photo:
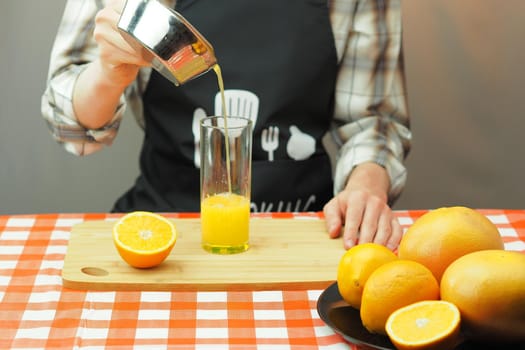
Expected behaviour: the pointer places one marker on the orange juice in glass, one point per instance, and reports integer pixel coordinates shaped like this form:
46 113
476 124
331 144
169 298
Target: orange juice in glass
225 184
225 223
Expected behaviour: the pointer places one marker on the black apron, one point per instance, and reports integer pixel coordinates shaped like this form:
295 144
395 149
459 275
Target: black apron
279 66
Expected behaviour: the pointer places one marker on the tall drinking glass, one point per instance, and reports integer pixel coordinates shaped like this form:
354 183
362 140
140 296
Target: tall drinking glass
226 153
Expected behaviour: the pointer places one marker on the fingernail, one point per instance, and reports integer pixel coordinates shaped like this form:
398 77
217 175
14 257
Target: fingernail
392 247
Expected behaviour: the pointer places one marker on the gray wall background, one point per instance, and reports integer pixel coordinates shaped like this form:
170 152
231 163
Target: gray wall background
465 79
466 76
37 175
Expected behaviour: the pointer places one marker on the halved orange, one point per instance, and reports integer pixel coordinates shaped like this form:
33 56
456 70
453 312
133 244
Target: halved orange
144 239
429 324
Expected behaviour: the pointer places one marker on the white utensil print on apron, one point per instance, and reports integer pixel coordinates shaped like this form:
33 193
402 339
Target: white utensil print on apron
239 103
198 114
300 146
270 140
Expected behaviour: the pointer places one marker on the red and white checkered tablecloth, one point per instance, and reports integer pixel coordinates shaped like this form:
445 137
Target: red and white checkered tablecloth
36 311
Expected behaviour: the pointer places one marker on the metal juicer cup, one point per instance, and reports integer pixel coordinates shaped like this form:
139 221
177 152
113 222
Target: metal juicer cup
166 39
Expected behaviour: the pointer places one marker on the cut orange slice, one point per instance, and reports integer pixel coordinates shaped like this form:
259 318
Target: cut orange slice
144 239
430 324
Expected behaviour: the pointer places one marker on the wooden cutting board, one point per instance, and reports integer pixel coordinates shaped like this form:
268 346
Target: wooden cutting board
284 253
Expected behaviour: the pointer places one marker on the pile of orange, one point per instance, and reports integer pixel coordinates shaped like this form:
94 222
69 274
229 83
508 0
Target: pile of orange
451 271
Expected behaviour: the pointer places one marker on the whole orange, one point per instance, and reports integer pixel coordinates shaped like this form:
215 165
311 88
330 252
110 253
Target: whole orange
391 286
440 236
488 287
355 267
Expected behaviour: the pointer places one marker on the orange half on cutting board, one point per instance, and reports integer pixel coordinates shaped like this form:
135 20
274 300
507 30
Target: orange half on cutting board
144 239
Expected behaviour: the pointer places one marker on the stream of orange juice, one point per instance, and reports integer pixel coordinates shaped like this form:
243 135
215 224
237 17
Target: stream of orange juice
218 72
225 224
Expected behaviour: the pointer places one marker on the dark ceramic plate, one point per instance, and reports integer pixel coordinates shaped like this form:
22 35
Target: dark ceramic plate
345 321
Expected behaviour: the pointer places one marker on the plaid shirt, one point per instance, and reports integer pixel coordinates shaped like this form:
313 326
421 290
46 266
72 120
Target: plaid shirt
370 121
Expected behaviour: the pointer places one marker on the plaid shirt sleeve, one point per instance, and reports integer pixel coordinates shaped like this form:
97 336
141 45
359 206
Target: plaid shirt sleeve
73 49
371 122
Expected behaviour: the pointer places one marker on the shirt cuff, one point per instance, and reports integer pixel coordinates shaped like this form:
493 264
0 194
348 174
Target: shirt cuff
351 155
